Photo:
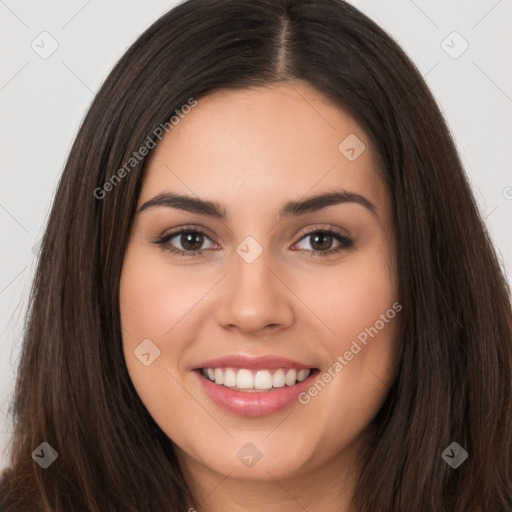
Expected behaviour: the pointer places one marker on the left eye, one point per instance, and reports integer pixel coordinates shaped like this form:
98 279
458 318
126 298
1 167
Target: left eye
323 240
192 240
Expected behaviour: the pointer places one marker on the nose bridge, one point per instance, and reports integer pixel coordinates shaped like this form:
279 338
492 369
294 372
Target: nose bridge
256 298
253 268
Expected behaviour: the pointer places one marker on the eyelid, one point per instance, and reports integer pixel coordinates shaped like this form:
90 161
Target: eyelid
187 227
339 231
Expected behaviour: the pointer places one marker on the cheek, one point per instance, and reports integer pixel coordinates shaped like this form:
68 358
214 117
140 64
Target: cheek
153 298
150 307
144 295
351 297
366 294
360 306
368 324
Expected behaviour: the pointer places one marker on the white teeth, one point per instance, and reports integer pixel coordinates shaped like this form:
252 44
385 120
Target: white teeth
278 379
291 377
303 374
244 379
263 380
229 378
219 376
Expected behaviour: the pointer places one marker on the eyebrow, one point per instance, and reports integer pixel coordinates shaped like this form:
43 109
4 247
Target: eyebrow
292 208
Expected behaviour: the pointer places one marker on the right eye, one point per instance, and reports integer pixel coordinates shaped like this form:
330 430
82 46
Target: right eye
190 239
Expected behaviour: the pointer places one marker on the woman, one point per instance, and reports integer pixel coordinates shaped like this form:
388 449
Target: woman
264 284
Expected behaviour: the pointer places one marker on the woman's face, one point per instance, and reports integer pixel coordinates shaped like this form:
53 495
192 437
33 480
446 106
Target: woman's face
264 304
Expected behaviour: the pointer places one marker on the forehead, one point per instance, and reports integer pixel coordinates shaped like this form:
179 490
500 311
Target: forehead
263 146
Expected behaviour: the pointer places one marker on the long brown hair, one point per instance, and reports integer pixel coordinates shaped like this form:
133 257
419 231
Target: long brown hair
454 379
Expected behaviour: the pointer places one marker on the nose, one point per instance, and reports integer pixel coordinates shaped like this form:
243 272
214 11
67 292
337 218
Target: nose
256 299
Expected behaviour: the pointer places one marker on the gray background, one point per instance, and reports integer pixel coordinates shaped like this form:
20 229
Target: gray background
43 100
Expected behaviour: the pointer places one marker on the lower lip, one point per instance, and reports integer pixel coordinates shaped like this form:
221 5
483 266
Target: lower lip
254 403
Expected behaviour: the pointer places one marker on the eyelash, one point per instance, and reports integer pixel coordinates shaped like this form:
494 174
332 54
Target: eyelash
346 243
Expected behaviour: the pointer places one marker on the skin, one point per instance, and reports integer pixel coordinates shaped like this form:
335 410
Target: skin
253 150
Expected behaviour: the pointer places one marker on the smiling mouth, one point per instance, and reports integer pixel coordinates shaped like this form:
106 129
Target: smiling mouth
243 379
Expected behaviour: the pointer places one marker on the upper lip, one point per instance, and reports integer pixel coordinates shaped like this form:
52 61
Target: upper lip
251 363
